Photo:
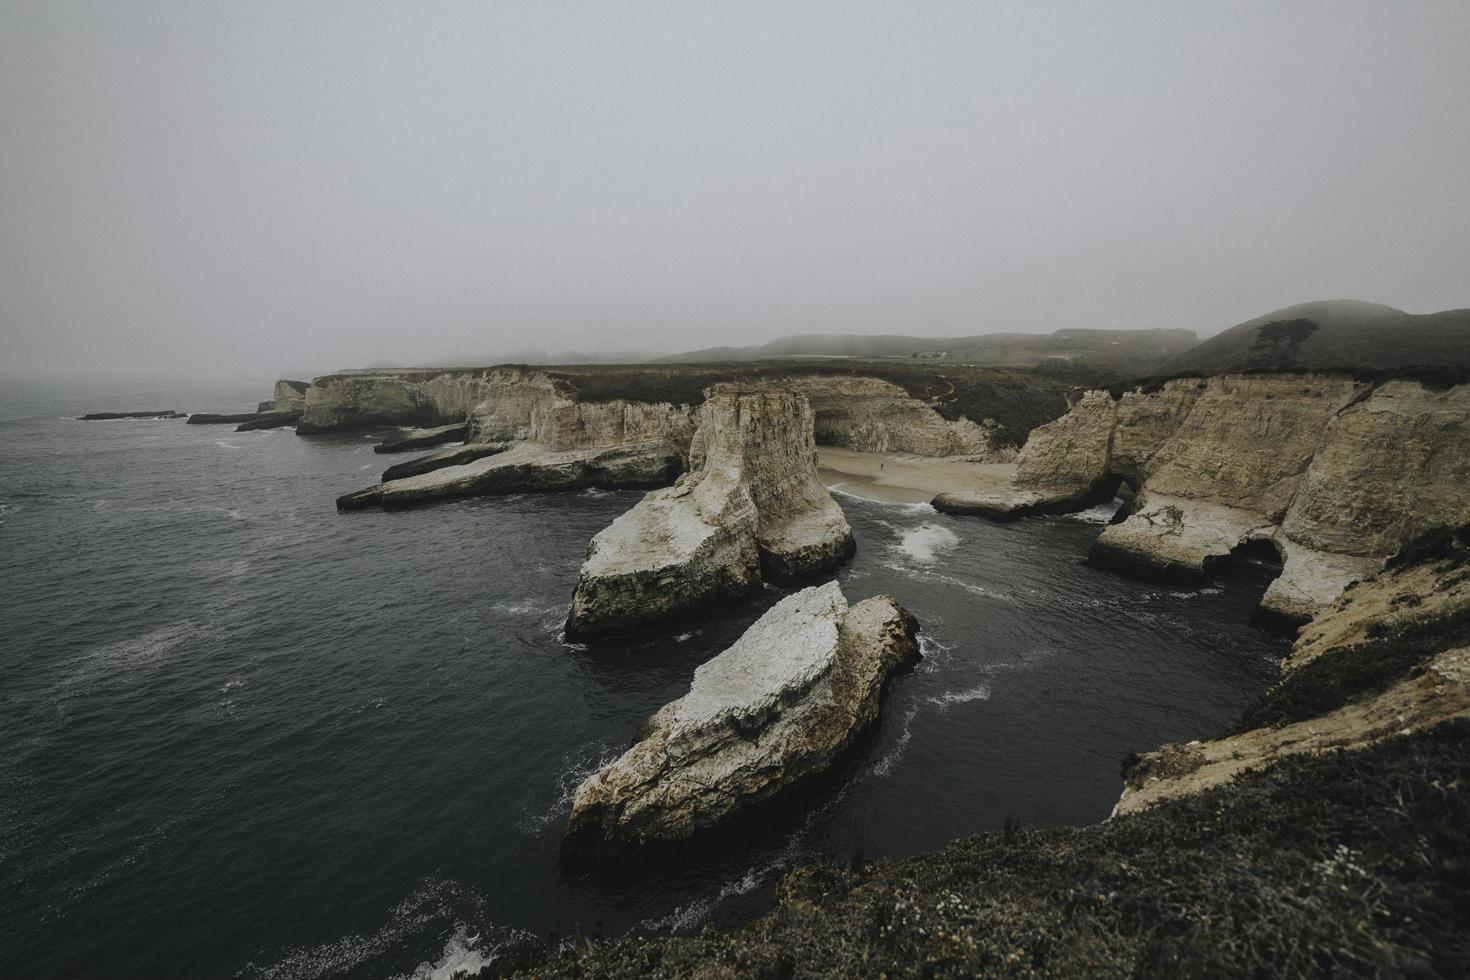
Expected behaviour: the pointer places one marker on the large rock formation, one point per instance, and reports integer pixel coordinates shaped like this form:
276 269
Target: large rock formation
871 415
750 505
772 710
1335 473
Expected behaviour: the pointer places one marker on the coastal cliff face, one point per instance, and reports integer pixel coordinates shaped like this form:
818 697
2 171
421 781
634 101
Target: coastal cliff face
771 711
500 405
524 404
870 415
750 505
1335 474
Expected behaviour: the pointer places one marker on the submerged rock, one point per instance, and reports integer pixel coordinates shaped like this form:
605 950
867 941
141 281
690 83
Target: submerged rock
527 467
166 413
269 420
424 438
774 709
454 456
750 505
207 418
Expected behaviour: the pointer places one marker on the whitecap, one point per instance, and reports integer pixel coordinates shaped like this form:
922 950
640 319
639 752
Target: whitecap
227 445
925 543
885 765
980 693
576 766
1100 514
122 658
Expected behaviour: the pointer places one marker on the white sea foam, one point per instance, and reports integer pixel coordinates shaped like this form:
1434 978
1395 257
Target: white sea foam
905 508
980 693
885 765
431 901
925 543
1100 514
576 766
122 658
227 445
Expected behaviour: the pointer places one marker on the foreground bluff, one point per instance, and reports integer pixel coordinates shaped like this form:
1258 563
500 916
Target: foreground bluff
772 710
750 505
1335 474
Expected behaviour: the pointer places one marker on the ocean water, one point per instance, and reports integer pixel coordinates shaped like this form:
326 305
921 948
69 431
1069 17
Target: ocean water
246 736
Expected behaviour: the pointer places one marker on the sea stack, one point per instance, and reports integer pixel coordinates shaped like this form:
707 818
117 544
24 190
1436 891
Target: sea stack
750 507
773 710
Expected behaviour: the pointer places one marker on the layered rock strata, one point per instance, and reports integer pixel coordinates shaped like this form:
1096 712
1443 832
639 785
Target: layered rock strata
773 710
750 506
424 438
1335 473
527 468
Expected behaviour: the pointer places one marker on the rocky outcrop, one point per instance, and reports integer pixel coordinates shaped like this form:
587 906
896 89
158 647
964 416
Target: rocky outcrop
773 710
1336 474
290 396
527 468
166 413
454 456
424 438
871 415
750 506
1063 466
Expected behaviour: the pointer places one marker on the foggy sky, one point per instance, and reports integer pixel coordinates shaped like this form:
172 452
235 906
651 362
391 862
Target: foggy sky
208 187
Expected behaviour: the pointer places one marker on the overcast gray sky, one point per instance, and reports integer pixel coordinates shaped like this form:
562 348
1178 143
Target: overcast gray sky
267 186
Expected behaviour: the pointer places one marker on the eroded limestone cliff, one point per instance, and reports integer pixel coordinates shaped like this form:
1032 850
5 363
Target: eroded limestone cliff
750 505
1336 474
774 709
871 415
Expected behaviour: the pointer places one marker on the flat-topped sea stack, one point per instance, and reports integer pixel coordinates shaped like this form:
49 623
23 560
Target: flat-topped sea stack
163 413
1336 474
750 506
775 709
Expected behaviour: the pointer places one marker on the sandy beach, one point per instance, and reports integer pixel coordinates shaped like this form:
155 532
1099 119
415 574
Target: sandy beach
903 479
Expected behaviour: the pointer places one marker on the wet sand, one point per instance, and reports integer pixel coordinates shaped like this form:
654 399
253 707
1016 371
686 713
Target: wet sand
902 479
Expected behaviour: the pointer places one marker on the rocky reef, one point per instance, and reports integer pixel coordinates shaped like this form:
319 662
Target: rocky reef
750 506
773 710
1334 473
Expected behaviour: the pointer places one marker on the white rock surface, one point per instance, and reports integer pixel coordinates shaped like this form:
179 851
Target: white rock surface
774 709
